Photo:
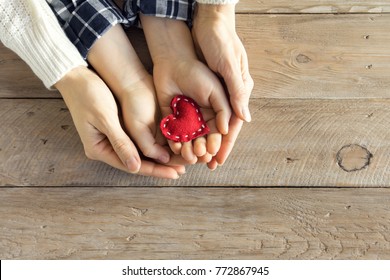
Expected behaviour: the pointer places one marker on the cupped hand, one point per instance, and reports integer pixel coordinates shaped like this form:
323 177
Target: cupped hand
193 79
217 42
95 115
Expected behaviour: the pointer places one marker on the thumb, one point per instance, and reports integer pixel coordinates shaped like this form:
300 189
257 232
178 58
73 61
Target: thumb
147 143
239 95
124 148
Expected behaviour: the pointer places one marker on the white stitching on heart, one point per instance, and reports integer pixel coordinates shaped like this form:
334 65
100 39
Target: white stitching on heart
177 113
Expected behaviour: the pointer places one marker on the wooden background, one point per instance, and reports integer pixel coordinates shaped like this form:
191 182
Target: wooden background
308 178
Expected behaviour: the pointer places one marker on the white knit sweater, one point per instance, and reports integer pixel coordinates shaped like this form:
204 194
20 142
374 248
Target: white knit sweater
30 29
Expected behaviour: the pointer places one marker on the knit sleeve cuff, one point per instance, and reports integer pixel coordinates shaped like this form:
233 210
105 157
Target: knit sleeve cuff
46 49
217 2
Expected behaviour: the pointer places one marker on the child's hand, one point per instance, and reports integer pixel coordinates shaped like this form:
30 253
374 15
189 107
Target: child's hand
141 117
228 142
178 71
192 78
217 42
95 114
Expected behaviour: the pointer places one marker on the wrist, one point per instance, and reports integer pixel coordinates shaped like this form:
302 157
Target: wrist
72 80
167 39
215 10
209 17
72 76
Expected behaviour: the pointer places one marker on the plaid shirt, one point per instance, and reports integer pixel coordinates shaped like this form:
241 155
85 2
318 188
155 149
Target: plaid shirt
85 21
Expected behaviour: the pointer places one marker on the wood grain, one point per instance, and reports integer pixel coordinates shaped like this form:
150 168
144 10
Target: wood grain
17 79
312 6
194 223
289 142
318 56
320 113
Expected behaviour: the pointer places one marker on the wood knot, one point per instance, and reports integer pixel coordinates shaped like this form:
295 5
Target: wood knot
301 58
353 158
138 212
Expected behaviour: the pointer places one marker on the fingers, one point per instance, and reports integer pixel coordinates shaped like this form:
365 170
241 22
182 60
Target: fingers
149 168
175 147
213 164
220 105
177 160
214 143
222 120
200 146
180 169
206 158
239 96
187 153
146 168
229 140
116 153
103 151
214 139
144 138
124 148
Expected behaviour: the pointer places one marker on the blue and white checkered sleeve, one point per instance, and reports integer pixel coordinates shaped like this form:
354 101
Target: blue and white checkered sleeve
85 21
173 9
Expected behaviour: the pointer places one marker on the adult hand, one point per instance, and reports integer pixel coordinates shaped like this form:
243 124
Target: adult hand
95 115
217 42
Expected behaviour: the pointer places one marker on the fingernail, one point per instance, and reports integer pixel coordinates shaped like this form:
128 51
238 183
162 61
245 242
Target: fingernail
221 162
133 164
182 172
164 158
246 114
225 129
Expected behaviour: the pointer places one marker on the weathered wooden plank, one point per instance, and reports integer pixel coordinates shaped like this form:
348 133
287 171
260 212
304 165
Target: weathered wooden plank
312 6
17 80
289 142
291 56
194 223
318 56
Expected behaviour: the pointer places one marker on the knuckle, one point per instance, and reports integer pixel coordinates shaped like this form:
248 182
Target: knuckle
243 91
119 145
225 70
250 83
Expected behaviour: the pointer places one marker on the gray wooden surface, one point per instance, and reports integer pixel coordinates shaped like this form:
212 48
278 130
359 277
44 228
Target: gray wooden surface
320 122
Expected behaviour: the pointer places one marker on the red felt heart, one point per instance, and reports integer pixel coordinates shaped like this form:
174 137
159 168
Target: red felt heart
186 122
